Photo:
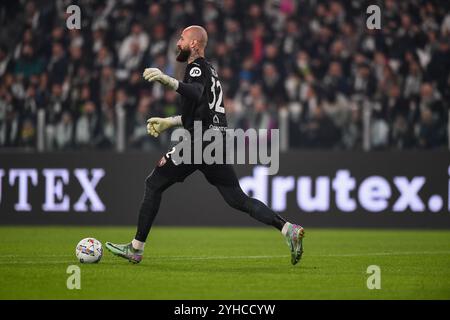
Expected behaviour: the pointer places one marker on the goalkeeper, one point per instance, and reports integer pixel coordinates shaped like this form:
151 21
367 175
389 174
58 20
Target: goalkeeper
201 99
157 125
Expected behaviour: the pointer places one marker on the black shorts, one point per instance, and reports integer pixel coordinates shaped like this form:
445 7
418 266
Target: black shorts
216 174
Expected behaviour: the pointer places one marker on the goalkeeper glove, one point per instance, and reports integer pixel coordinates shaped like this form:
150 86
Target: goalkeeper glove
154 74
157 125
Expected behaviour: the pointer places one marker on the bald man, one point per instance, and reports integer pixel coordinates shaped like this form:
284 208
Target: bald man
201 100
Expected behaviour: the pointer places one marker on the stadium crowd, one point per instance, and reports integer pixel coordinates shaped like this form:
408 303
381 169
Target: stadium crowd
315 59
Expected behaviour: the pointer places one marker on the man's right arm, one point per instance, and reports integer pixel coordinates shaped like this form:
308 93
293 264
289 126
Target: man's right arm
157 125
192 91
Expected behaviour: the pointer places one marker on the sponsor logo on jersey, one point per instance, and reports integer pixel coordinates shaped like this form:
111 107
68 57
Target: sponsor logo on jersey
216 119
195 72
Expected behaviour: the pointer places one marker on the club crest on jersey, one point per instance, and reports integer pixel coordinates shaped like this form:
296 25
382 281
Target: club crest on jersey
195 72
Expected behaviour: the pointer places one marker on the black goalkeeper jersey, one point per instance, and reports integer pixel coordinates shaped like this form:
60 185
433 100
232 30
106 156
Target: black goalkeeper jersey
209 109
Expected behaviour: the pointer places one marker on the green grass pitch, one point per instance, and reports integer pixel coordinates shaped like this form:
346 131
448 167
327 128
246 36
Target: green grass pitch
227 263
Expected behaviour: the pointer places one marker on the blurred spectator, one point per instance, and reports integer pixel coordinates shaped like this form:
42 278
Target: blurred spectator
132 49
260 117
379 134
30 104
56 103
107 82
352 132
57 66
28 64
5 58
122 103
401 135
363 82
320 131
9 129
431 99
428 131
272 84
413 80
234 115
104 58
392 105
160 43
139 139
334 81
166 107
108 132
155 16
27 137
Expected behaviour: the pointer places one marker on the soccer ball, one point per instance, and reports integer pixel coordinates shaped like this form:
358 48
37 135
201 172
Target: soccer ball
89 250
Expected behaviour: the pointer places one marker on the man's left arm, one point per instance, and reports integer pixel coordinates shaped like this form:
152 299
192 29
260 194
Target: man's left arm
157 125
192 90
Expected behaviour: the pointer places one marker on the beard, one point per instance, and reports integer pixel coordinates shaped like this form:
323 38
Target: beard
183 55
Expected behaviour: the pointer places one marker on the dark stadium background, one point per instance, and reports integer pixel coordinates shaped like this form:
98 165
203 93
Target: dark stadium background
374 102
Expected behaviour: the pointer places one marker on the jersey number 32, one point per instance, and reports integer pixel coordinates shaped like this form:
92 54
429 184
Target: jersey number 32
216 90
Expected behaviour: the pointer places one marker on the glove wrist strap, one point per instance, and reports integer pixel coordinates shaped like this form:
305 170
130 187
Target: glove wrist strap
176 120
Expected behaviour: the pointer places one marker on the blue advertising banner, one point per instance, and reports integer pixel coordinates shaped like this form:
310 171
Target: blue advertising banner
319 189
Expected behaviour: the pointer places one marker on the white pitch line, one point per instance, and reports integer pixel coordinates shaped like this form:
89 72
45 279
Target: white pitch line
158 258
9 257
215 257
38 262
310 255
